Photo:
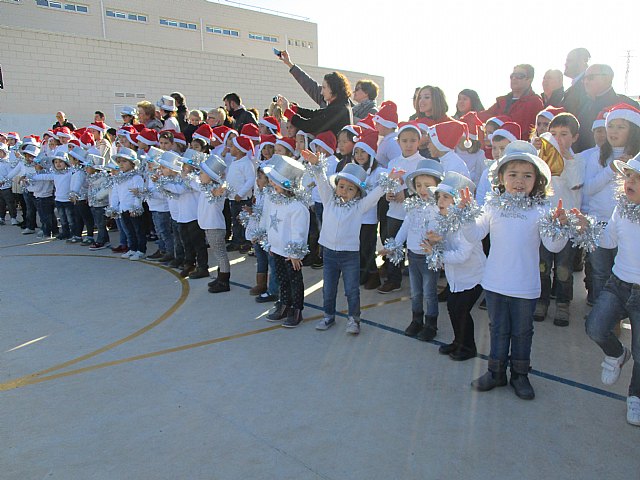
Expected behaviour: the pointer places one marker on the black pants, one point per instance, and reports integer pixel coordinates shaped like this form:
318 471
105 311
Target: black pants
236 227
291 283
30 213
83 212
7 202
195 244
394 273
44 206
459 305
368 242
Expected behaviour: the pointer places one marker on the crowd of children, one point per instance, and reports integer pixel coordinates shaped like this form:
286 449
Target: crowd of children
468 201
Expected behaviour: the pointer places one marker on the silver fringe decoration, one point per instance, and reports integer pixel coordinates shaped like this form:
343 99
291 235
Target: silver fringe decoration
319 168
415 201
510 202
389 185
435 259
552 228
627 209
136 212
111 213
342 204
296 249
396 251
586 238
244 217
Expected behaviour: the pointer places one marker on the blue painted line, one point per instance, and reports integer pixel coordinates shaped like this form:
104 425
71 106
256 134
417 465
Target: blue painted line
537 373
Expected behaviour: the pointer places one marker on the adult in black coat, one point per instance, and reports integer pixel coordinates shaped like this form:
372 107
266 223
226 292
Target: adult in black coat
183 112
336 115
63 122
575 65
241 116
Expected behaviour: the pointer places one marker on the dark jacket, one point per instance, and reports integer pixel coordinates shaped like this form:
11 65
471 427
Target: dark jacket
555 99
242 117
574 98
66 123
309 85
334 118
182 114
522 111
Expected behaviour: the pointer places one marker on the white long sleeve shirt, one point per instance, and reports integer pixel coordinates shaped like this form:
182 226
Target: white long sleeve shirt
408 164
210 214
22 169
184 209
451 162
285 223
341 224
483 187
566 185
241 175
623 233
370 217
78 183
122 199
61 181
513 266
584 157
415 226
332 164
475 162
600 186
98 190
388 149
464 262
156 201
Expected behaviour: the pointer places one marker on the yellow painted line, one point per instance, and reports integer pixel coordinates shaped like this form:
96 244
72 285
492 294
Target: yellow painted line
27 379
27 244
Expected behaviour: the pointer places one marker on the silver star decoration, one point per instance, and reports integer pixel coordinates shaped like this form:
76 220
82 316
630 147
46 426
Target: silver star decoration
275 221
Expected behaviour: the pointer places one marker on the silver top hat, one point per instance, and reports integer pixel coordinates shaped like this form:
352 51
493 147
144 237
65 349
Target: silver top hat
193 157
353 173
519 150
127 154
78 153
111 165
171 160
167 103
429 167
629 167
127 110
453 182
152 155
32 149
215 167
285 171
94 161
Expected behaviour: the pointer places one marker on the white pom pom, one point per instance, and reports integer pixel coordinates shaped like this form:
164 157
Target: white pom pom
467 143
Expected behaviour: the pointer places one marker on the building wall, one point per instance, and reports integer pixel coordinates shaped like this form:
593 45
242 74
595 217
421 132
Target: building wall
46 71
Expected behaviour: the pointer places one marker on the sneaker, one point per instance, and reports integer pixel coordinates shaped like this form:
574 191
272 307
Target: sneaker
14 221
120 249
98 246
633 410
389 287
326 323
266 298
137 256
128 254
87 241
74 240
40 234
353 326
611 367
27 231
540 312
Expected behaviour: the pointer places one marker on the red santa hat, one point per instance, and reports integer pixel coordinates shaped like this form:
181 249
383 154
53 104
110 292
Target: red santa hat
326 140
271 123
220 132
424 123
244 144
179 137
550 112
625 112
387 115
148 137
139 127
87 140
508 130
204 132
98 126
132 137
33 139
409 126
446 135
252 131
367 123
288 143
354 130
474 124
15 135
75 141
229 132
599 122
499 120
368 142
122 132
63 132
268 140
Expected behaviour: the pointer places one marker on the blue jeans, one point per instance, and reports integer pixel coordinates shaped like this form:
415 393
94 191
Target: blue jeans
261 259
101 224
162 224
137 238
178 246
617 301
563 261
44 206
601 260
67 218
511 325
347 263
122 230
273 287
424 285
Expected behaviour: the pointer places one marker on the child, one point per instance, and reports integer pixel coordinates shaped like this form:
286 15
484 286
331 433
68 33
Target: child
218 140
286 147
166 140
619 297
345 203
269 126
463 266
347 138
202 138
623 142
267 147
408 139
285 219
23 168
125 202
159 208
420 212
490 126
472 156
567 174
7 200
511 279
443 139
78 196
386 123
98 187
323 144
303 141
241 176
543 120
228 143
211 218
45 204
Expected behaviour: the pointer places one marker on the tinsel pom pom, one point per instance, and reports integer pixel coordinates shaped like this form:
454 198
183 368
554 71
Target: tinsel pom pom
435 259
111 213
389 185
296 249
396 252
136 212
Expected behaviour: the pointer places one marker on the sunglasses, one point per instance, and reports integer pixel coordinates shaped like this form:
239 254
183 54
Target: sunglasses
518 76
592 76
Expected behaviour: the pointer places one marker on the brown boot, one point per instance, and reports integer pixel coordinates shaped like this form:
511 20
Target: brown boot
261 285
373 281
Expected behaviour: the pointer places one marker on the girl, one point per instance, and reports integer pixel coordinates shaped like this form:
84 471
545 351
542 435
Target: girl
468 101
78 196
463 266
473 156
623 142
267 147
420 211
511 279
285 221
620 296
433 104
346 143
344 208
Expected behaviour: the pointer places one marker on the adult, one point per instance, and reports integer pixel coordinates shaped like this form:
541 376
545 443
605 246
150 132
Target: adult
167 106
432 104
336 115
182 112
598 80
217 117
365 94
63 122
468 101
98 116
521 104
241 116
147 115
414 102
575 65
552 88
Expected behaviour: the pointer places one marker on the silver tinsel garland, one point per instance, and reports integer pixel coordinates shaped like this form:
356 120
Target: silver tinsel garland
5 183
389 185
509 202
299 195
143 194
435 259
136 212
111 213
124 176
627 209
318 168
261 237
339 202
244 217
163 182
74 196
396 251
457 217
207 188
296 249
585 238
414 201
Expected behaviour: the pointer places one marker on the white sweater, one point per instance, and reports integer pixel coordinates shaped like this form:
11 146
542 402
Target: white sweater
600 186
417 223
408 164
184 209
475 162
623 233
464 262
241 175
286 224
156 201
451 162
210 214
61 181
370 217
566 185
388 149
513 266
78 184
122 200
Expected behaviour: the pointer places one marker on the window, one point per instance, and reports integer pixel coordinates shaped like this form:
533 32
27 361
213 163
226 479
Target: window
134 17
178 24
67 7
299 43
262 37
223 31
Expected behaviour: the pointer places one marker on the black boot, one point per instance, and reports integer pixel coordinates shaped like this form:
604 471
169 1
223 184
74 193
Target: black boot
520 379
293 319
448 348
429 330
415 326
221 284
215 280
280 311
496 376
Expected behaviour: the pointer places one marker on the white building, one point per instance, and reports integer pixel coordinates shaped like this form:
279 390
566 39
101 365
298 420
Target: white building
86 55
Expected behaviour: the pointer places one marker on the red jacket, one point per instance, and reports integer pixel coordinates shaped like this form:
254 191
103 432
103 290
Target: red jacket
523 111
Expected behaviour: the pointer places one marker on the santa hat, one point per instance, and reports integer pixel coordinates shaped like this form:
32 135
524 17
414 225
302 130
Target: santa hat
354 130
268 140
326 140
499 120
252 131
219 133
446 135
31 140
148 137
229 132
367 122
625 112
474 125
63 132
74 141
132 137
424 123
509 130
409 126
122 132
387 115
204 132
271 123
599 122
139 127
288 143
244 144
368 142
550 112
98 126
48 132
179 137
15 135
87 140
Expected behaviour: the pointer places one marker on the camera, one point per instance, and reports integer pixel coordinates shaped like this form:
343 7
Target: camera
275 99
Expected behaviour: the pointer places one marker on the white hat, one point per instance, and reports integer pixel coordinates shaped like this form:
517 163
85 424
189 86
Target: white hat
520 150
152 155
193 157
32 149
167 103
631 166
287 172
453 182
94 161
127 110
127 154
60 155
353 173
78 153
171 160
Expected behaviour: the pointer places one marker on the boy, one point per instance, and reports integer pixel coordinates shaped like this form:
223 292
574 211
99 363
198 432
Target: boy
241 176
7 200
386 123
443 139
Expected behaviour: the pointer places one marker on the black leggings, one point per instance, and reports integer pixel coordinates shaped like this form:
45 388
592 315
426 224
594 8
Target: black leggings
291 283
195 244
459 305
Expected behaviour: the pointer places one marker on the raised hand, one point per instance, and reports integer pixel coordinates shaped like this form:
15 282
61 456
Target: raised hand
397 175
560 214
465 198
310 157
582 220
